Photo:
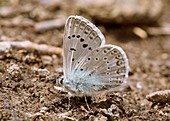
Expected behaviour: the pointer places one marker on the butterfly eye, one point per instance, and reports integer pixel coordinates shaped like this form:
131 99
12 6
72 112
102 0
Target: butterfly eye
60 81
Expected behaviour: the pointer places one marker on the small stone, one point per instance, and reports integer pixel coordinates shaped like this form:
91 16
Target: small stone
159 96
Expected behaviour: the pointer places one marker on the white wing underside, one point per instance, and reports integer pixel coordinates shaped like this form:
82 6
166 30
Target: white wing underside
88 61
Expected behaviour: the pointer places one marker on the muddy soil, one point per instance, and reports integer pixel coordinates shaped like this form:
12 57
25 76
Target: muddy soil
28 77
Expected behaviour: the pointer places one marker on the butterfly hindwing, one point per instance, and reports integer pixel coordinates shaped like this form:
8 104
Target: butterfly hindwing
105 67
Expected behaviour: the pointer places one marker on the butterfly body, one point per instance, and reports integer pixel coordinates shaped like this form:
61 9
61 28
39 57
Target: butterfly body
90 66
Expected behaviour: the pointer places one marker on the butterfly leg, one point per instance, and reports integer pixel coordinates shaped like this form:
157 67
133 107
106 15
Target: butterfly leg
87 103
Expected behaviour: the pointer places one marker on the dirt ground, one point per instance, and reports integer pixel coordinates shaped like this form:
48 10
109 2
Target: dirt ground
27 77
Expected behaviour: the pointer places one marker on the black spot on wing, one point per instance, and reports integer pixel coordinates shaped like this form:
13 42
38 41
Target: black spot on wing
72 49
85 45
90 48
81 40
78 36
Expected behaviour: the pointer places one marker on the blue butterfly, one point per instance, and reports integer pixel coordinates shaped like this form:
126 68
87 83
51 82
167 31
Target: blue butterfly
90 65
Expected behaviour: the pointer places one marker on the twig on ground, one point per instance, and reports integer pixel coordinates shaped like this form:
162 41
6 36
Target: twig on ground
28 45
163 29
50 24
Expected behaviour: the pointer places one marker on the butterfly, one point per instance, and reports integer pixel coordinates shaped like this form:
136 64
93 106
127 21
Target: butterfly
90 66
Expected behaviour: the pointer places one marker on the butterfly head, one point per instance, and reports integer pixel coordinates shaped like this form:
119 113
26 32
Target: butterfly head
74 88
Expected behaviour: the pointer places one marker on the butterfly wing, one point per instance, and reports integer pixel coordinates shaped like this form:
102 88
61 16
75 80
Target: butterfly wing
80 38
104 69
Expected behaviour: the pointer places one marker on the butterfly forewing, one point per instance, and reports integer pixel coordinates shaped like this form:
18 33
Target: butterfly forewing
80 38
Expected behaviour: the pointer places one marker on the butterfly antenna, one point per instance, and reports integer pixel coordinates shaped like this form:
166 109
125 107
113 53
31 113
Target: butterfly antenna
87 103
